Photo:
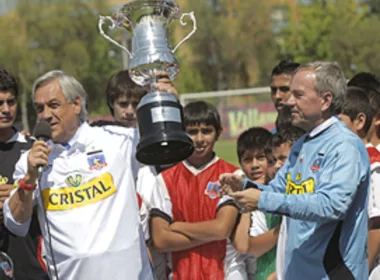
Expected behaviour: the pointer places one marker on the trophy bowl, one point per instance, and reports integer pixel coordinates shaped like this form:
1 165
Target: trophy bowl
163 139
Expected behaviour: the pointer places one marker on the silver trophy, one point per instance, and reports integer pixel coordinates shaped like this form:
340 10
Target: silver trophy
160 116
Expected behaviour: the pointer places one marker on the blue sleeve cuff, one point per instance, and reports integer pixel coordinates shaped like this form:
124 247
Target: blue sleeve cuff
272 202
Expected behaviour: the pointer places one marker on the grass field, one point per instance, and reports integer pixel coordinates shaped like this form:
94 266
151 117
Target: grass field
226 149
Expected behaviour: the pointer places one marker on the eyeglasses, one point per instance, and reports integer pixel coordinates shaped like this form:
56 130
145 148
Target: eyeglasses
281 88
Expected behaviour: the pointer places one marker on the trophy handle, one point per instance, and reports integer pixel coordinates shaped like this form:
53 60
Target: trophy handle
102 20
191 15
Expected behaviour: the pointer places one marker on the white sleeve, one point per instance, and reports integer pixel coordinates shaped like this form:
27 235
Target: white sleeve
225 200
374 192
258 223
144 220
146 182
135 164
13 226
129 138
161 204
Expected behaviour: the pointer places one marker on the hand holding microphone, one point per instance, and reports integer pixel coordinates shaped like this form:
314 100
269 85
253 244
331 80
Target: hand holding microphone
39 154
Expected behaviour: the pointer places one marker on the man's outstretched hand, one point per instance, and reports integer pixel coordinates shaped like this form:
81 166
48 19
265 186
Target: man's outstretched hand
230 183
247 200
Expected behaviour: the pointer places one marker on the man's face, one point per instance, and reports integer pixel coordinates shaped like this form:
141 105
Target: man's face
204 138
8 109
52 106
280 90
305 103
280 155
255 165
125 109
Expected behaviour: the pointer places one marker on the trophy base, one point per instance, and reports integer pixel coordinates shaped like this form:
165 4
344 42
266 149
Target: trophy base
164 149
163 139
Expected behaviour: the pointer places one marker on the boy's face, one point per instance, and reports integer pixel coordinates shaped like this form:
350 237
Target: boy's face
204 138
347 121
355 126
280 155
8 109
125 110
255 165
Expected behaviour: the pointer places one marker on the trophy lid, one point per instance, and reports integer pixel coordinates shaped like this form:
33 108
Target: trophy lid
136 9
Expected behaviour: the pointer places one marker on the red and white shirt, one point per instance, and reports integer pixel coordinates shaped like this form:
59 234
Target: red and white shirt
374 197
191 195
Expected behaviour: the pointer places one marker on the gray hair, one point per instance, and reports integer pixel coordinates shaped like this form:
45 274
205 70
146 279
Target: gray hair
329 78
71 88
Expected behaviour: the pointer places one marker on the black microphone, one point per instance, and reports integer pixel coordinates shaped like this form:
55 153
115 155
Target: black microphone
42 132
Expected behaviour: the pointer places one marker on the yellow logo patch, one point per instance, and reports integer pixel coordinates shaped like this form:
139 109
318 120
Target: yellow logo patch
74 197
3 180
301 188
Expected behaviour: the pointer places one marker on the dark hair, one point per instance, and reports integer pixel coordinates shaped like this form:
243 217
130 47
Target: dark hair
288 135
105 122
284 118
8 82
286 67
357 101
254 138
199 112
371 85
120 85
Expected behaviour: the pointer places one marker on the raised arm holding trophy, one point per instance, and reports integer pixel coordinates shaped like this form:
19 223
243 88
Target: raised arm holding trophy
160 117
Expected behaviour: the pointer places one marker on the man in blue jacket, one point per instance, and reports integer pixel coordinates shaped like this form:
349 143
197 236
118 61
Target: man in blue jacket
323 186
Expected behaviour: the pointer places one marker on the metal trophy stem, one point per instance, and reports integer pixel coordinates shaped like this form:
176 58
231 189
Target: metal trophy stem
160 116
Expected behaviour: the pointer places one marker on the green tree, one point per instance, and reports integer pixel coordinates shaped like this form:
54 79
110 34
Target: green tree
340 30
309 37
358 49
233 46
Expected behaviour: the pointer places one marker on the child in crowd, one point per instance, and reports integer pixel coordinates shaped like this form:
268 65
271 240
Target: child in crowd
360 112
192 223
262 228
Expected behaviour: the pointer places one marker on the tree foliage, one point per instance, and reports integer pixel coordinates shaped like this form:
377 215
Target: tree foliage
235 45
340 30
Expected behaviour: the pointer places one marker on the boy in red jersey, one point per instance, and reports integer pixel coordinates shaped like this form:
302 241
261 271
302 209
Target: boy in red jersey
193 223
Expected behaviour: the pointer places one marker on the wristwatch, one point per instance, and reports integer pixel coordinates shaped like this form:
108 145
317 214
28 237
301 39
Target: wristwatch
24 186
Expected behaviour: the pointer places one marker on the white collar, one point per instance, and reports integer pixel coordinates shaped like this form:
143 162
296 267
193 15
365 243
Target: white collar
369 145
323 126
195 170
78 138
17 137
